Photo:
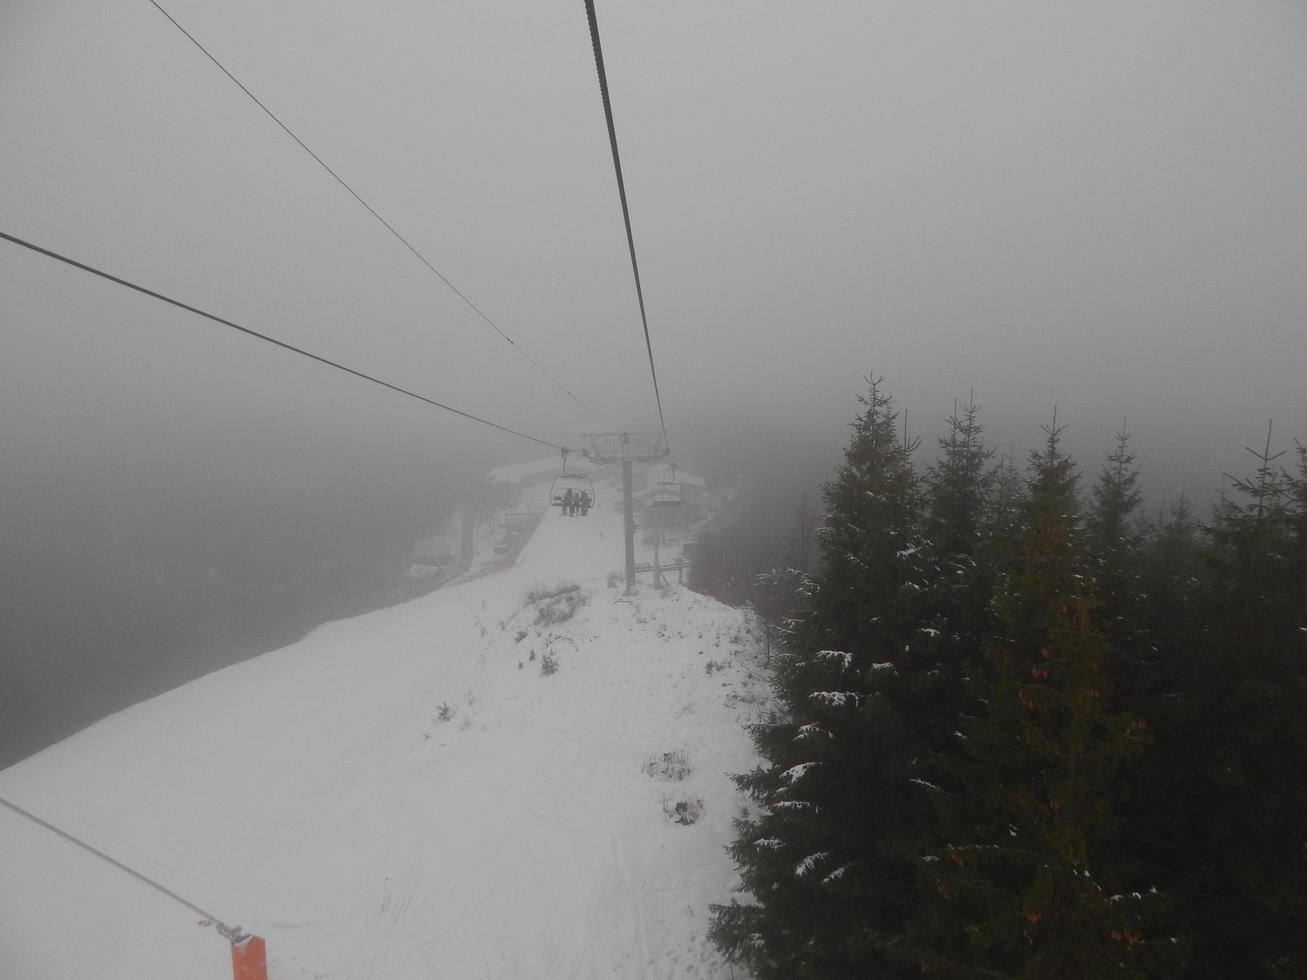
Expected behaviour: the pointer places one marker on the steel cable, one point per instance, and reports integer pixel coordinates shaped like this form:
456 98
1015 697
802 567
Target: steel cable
389 227
264 337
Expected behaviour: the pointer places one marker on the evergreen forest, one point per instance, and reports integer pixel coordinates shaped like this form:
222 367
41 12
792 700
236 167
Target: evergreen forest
1024 729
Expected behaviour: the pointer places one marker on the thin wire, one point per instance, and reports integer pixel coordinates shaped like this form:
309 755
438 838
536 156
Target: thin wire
116 863
389 227
264 337
621 190
484 631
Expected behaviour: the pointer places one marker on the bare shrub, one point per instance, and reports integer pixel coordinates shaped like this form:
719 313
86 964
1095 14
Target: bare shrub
554 603
559 608
670 765
538 592
684 810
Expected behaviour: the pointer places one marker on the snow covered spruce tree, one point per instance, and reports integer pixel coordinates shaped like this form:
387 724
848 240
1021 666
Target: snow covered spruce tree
830 858
1023 881
960 493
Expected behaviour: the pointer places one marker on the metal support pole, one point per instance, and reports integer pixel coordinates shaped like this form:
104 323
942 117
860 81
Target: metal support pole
630 526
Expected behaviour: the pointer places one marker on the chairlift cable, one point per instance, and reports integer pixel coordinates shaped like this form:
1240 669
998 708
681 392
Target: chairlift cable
621 191
265 337
232 933
389 227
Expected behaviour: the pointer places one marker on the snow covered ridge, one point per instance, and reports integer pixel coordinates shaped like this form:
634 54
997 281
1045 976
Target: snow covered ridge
400 796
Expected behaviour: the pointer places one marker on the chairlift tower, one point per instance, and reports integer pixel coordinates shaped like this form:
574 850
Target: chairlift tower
626 448
665 502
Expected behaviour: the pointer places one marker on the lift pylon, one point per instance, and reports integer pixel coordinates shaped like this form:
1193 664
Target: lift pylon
626 448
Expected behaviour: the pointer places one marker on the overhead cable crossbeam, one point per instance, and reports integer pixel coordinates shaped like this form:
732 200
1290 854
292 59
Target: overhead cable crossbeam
389 227
265 337
621 191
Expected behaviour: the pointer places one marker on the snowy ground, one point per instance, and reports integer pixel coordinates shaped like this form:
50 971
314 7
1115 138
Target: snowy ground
315 796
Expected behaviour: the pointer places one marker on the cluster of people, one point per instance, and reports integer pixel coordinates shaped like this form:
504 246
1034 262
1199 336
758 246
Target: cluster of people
576 500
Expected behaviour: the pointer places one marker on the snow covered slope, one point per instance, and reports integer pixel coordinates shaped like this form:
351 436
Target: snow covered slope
402 796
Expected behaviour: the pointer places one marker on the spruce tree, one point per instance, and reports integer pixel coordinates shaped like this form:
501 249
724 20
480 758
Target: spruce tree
1112 543
1025 880
964 496
1003 518
1154 675
1239 856
958 483
828 859
962 580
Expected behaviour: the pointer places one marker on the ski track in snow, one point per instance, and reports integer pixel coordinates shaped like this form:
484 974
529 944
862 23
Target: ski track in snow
312 795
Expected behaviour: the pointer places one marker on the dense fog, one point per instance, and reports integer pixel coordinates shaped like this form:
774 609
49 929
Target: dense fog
120 585
1099 210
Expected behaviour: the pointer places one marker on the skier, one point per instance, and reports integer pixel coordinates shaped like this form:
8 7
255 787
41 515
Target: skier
585 503
568 497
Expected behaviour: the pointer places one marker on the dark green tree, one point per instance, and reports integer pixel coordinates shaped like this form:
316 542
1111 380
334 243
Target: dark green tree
829 857
1026 882
957 615
958 484
720 567
959 606
1239 856
1112 542
1003 518
1154 673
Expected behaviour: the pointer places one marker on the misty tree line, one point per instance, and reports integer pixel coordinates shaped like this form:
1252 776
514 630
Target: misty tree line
114 593
1023 732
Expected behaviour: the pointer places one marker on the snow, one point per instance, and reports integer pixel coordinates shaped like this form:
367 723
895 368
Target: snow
794 773
836 875
810 862
836 699
313 796
800 805
841 657
811 730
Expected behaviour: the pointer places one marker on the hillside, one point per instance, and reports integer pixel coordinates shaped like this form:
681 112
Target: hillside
403 795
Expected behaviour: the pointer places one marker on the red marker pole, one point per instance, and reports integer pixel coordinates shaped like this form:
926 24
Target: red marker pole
249 959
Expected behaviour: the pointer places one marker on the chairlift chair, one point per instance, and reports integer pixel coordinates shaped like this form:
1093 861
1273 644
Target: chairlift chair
571 481
578 483
666 493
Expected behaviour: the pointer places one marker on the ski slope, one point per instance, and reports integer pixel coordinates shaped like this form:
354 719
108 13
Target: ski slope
315 796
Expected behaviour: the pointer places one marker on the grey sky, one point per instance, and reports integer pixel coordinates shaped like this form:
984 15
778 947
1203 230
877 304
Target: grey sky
1099 205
